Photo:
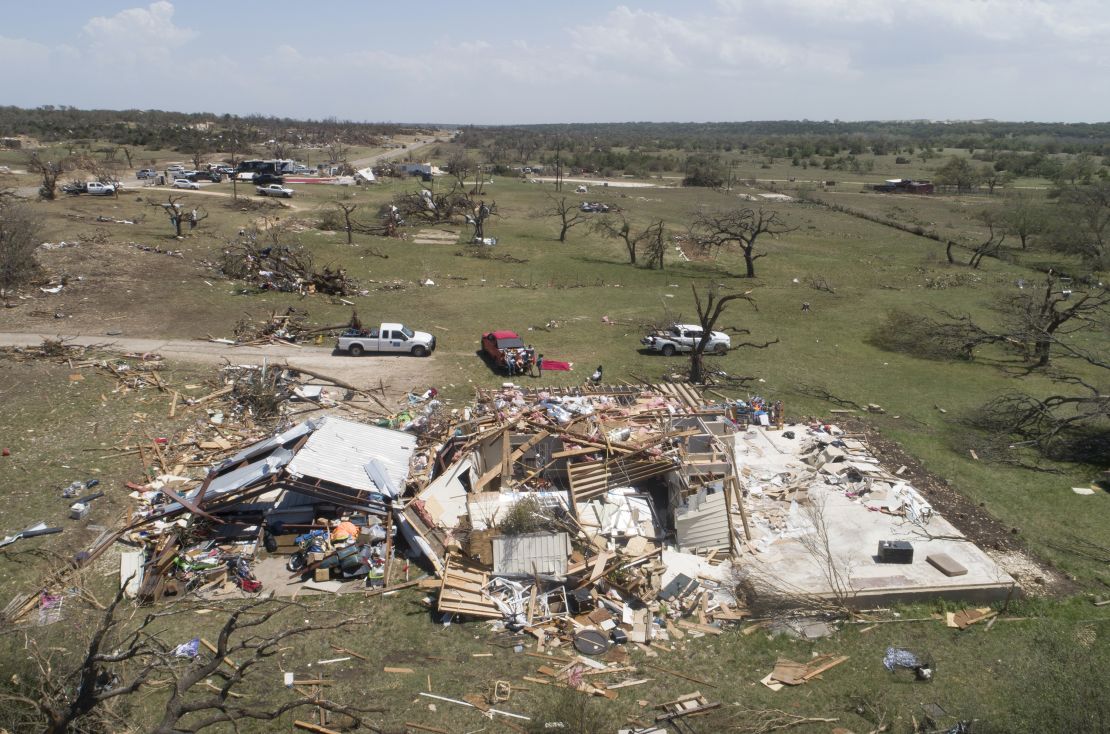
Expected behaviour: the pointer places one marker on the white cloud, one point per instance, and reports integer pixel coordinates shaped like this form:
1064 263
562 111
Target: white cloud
19 53
145 28
645 45
999 20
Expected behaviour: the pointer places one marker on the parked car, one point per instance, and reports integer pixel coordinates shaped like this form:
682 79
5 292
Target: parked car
146 173
588 206
396 338
97 188
265 179
275 190
683 338
184 183
508 351
203 176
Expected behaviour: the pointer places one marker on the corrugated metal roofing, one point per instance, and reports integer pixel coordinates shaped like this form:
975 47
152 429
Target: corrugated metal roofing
523 555
269 444
338 450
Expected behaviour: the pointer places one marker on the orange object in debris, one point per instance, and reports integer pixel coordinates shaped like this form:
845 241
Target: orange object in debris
343 531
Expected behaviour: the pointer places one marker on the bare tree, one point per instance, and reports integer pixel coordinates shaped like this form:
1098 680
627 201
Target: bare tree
279 148
49 171
198 146
1082 224
1040 317
741 228
388 228
837 572
123 655
655 246
990 247
567 212
709 313
482 212
348 223
1060 427
1022 218
178 216
235 148
337 152
994 179
460 166
18 241
650 237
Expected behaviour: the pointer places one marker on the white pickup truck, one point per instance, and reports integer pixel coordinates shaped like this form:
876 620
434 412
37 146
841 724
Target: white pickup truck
392 338
275 190
683 338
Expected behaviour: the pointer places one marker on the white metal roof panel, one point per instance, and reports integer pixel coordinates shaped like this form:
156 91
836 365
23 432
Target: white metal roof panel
338 451
523 555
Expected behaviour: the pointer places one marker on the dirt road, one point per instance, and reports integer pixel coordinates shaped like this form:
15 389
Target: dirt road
400 373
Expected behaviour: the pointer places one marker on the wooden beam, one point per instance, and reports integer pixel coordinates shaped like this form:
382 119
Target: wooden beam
308 726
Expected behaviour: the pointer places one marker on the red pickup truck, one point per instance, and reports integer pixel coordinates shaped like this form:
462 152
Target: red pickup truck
508 352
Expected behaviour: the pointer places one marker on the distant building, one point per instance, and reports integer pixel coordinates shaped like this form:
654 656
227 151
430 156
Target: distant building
414 169
903 186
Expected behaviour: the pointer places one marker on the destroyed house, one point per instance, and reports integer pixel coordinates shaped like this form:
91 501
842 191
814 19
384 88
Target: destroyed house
534 505
322 467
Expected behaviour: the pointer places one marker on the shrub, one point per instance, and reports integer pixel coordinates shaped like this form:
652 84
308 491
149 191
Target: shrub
924 337
18 240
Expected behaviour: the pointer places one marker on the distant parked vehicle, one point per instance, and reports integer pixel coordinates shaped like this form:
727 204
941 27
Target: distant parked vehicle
275 190
683 338
184 183
146 173
204 176
96 188
265 179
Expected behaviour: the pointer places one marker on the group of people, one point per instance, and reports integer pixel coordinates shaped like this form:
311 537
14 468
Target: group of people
524 362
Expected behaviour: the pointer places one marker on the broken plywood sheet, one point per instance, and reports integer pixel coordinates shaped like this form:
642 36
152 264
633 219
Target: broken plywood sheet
131 572
445 498
621 513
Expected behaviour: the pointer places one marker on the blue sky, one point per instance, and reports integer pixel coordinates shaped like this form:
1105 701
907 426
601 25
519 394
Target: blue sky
568 61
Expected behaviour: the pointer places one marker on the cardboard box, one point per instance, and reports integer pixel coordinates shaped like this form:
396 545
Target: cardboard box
322 574
316 557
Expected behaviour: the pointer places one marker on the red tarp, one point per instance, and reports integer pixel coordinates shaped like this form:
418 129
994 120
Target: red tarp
556 366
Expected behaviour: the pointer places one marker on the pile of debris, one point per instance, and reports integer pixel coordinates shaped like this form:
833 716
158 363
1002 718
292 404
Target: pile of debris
578 518
286 328
286 268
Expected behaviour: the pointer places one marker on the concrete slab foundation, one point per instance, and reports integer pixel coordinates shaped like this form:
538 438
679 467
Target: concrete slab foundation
819 506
